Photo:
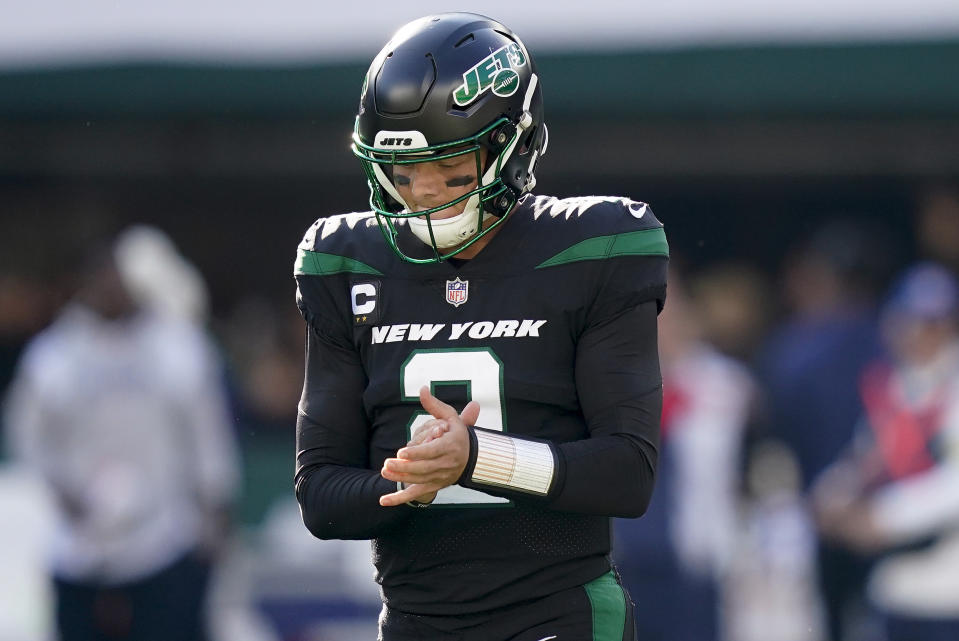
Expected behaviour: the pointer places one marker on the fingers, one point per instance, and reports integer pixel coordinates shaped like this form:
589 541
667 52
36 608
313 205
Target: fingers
435 406
440 410
428 431
424 493
470 413
419 452
425 471
436 454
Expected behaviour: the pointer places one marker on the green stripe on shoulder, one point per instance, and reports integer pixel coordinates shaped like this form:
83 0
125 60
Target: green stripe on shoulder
645 242
312 263
608 601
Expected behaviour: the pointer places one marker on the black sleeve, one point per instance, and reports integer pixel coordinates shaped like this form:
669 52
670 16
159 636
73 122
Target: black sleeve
621 393
620 390
337 492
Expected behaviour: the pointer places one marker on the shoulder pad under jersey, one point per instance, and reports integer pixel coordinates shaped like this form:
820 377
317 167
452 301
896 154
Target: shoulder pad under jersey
343 243
592 228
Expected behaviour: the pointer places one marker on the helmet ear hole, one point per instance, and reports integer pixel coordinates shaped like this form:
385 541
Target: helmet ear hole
528 142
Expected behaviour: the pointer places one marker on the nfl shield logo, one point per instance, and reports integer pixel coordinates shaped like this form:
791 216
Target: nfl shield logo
457 291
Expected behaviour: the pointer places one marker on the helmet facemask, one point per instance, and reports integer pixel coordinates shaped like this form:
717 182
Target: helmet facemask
489 200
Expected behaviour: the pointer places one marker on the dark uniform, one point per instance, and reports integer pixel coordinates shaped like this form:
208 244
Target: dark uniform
552 329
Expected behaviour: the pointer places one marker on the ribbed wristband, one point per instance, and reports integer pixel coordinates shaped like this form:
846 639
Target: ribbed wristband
513 463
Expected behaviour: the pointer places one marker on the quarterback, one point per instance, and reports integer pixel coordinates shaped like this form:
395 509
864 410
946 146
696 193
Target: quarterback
482 387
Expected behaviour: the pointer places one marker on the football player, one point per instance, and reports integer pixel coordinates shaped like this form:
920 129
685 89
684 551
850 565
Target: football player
482 385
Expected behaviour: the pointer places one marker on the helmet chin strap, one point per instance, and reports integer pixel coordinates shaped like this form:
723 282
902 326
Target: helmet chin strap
448 232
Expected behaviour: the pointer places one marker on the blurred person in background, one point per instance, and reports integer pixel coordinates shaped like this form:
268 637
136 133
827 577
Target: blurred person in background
674 559
810 367
32 287
896 495
732 301
265 343
812 360
26 306
119 408
157 277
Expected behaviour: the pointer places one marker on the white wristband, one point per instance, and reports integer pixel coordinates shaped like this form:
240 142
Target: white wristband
513 463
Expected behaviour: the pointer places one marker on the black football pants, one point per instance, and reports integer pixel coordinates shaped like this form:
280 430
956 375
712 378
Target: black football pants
601 610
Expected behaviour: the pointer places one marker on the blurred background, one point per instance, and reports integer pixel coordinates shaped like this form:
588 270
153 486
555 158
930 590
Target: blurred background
802 158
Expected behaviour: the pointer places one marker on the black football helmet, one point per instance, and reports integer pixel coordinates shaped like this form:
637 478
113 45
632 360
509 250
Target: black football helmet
449 85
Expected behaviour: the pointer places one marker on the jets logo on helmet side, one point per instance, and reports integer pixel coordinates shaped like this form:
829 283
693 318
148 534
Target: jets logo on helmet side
496 71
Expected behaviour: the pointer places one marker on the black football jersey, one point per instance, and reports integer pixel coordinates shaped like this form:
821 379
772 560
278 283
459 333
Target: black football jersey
508 330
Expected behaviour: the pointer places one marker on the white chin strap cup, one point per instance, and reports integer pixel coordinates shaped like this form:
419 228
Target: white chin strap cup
447 232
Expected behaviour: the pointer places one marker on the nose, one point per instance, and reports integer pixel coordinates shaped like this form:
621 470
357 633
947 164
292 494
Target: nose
425 183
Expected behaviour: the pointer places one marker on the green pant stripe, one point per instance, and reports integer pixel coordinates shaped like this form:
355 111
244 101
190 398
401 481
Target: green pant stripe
608 602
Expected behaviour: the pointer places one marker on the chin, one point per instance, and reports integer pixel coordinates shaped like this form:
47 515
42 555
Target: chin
445 213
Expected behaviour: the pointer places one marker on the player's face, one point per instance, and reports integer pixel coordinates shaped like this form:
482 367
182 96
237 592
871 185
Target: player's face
430 184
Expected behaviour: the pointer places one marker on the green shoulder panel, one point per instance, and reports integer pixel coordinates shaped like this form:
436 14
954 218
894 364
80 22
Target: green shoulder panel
643 242
328 243
313 263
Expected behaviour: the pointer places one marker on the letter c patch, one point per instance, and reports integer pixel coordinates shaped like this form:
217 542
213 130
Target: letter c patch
363 299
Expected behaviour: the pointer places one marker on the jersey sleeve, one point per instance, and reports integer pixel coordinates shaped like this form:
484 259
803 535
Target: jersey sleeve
337 492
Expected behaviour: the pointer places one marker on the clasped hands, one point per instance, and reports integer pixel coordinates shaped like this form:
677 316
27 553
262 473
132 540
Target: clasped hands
436 455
